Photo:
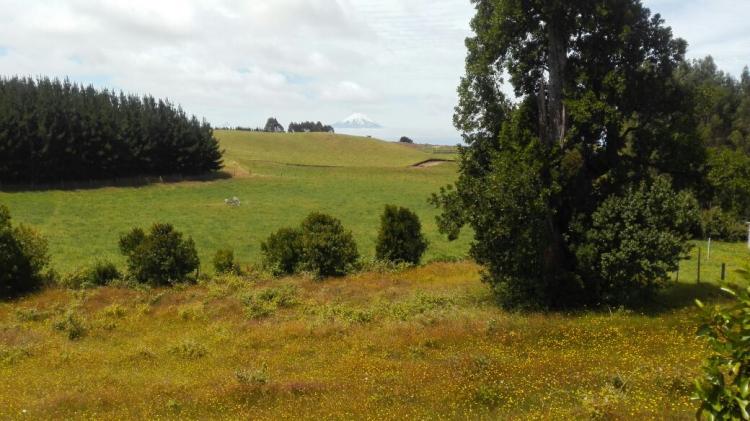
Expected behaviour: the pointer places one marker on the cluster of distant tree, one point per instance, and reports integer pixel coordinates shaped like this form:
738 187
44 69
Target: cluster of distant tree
721 107
54 130
309 126
405 139
273 126
242 129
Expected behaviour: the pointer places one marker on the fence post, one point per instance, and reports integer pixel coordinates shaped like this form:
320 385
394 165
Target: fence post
723 271
699 265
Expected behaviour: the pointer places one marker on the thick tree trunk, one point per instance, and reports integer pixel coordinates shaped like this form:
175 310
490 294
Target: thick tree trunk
557 51
552 133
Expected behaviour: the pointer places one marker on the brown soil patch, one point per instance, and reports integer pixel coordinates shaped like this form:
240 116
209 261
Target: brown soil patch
431 163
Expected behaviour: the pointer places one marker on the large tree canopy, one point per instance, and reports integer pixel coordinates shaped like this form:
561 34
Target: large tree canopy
597 111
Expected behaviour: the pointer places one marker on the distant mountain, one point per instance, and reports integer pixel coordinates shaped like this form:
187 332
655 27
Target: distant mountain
357 121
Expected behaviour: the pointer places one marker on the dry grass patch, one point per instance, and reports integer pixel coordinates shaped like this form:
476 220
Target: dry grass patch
426 343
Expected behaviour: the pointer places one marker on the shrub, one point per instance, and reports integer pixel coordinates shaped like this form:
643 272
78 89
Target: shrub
724 389
719 225
400 239
189 350
100 274
71 325
282 251
161 257
266 302
103 273
327 249
635 241
224 262
23 257
256 377
77 279
405 139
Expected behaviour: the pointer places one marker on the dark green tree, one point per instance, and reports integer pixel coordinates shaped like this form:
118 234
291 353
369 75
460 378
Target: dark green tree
23 257
729 181
273 126
598 110
53 130
400 239
628 251
224 262
309 126
282 251
327 248
161 257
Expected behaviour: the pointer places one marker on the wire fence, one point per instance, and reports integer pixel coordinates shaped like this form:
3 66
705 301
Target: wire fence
717 264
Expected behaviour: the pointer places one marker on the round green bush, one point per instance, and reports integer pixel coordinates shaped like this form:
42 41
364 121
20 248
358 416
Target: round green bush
103 273
224 262
161 257
400 239
23 257
282 251
327 248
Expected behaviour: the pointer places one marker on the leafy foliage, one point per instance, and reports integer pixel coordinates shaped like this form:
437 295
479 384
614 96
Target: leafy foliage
405 139
598 111
282 251
320 246
721 103
311 127
729 181
224 262
273 126
723 226
52 130
635 241
103 273
23 257
327 249
511 251
160 257
400 239
724 389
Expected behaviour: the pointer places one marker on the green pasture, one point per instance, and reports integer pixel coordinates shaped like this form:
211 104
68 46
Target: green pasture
734 256
279 178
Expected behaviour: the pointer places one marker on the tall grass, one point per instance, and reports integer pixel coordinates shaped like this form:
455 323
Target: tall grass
426 343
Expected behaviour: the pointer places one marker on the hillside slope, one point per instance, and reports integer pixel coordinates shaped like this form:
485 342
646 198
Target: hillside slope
319 149
351 178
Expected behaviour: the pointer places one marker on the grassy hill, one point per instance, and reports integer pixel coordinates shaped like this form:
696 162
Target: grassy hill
353 179
320 149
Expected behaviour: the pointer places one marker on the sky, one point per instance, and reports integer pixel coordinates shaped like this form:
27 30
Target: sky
237 62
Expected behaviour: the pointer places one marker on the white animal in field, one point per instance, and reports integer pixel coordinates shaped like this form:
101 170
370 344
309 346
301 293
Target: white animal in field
234 202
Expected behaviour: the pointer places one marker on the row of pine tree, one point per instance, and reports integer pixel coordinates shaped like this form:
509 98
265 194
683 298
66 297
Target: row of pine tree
52 130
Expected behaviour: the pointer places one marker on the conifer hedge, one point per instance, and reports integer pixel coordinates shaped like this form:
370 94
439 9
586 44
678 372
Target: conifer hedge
52 130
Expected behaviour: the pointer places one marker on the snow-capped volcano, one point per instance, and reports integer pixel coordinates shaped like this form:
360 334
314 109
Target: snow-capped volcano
357 121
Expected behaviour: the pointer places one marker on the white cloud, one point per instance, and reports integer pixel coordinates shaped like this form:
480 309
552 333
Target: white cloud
347 91
240 61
